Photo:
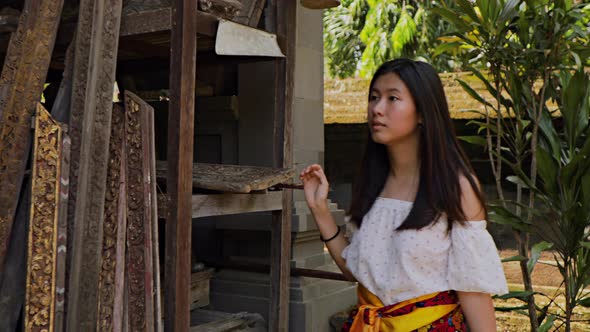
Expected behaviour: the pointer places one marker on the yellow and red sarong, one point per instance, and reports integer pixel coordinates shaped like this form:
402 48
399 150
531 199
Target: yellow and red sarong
431 312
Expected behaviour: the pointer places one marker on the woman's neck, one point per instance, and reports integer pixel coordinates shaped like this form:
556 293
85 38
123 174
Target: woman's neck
404 158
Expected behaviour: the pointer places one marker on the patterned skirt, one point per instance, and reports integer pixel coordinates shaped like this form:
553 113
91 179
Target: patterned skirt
433 312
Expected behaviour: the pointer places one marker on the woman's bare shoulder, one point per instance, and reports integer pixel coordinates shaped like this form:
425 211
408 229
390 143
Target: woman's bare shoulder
470 203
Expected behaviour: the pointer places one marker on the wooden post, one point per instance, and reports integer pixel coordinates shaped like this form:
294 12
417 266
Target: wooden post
284 14
180 161
95 60
21 84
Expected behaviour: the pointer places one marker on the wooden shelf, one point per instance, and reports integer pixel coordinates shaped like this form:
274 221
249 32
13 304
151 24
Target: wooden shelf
159 20
225 204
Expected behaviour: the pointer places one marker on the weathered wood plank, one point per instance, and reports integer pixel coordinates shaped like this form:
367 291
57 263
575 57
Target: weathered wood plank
40 302
233 178
95 58
61 105
12 289
21 84
226 9
251 12
139 223
224 204
285 21
159 20
112 273
181 118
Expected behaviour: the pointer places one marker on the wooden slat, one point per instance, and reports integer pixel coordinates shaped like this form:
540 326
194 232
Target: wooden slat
283 13
62 233
95 58
181 117
40 302
151 134
21 84
224 204
233 178
112 272
139 223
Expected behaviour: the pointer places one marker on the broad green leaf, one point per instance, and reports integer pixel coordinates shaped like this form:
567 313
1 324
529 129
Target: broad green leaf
505 309
584 302
547 167
547 324
503 216
536 253
474 94
521 295
476 140
516 258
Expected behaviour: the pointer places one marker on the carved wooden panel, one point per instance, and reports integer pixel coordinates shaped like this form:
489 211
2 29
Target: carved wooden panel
112 273
42 246
95 56
233 178
139 215
21 85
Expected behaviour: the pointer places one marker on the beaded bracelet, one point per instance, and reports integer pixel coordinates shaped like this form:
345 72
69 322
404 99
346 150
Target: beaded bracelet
333 237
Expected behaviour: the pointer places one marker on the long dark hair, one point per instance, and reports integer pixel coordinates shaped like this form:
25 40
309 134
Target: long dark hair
442 161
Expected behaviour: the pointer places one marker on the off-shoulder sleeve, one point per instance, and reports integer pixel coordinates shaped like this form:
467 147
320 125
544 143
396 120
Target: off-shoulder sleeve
474 263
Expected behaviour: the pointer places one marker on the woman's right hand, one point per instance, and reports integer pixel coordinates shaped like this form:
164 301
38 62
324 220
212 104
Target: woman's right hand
315 186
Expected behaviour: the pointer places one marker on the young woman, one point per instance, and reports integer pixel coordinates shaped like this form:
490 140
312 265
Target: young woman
419 247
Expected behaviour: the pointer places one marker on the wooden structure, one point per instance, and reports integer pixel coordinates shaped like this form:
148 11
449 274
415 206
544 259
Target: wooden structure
116 39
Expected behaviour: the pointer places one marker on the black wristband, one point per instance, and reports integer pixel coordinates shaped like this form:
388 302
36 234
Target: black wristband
333 237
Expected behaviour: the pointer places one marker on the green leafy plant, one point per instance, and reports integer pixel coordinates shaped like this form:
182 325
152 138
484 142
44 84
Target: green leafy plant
522 45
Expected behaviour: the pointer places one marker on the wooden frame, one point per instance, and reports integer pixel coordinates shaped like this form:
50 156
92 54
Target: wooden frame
111 283
139 260
40 303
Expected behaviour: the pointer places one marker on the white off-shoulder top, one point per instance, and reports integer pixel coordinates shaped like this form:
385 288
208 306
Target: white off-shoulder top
400 265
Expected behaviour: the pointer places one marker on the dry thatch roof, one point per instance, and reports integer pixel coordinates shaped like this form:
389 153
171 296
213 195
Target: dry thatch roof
345 100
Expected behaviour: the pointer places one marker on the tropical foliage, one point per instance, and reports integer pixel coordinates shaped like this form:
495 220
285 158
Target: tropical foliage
359 35
529 50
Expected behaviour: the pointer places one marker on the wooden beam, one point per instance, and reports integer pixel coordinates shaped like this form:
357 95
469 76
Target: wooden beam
224 204
283 15
21 84
180 161
95 61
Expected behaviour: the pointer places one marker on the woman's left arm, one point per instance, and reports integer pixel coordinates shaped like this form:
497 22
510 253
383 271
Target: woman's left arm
478 309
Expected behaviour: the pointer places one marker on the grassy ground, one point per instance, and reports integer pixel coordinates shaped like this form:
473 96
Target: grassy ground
546 280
